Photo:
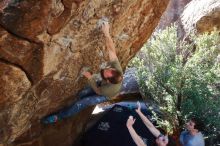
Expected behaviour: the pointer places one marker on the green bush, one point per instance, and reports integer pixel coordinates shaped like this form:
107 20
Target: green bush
182 77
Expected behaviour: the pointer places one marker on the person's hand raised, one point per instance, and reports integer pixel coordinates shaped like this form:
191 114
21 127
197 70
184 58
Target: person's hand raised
139 107
130 121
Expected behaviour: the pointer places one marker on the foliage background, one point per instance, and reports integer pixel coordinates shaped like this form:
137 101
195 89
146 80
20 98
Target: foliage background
182 77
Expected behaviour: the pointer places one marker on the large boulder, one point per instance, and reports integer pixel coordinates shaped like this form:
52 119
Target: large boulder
201 16
172 13
44 45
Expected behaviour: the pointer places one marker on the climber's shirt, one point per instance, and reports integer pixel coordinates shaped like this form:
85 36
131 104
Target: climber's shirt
107 89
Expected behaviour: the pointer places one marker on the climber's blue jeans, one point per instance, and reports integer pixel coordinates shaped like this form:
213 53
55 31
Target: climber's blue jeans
87 91
87 98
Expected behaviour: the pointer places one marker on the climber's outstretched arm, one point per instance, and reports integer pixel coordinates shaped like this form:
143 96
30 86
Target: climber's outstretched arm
109 42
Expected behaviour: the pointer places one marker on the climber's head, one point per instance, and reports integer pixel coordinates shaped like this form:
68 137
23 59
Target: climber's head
111 75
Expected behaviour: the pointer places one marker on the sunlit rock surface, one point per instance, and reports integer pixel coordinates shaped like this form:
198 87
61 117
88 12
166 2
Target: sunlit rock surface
44 44
201 16
172 13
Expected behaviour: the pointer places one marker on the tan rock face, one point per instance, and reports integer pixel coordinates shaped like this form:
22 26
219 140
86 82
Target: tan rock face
27 55
14 84
43 47
201 16
25 18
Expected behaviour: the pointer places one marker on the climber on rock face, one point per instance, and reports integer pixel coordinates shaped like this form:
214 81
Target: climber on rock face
112 75
102 87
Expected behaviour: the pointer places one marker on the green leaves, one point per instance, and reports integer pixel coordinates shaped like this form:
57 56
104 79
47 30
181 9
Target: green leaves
182 77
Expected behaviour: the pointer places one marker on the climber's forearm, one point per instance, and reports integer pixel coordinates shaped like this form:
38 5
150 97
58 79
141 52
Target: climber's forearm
92 83
110 47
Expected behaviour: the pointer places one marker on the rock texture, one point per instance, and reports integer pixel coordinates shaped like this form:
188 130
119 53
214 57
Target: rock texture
172 13
201 16
44 45
130 83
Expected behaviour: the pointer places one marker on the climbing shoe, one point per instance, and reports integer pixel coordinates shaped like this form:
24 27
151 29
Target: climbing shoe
50 119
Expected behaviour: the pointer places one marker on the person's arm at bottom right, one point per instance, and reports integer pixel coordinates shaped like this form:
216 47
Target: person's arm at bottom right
137 139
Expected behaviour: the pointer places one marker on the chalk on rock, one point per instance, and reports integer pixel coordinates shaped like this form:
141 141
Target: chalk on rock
101 21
